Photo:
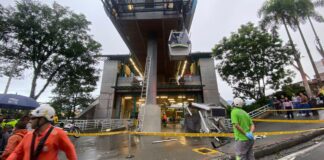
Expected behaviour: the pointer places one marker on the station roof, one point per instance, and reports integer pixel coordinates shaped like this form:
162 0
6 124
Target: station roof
138 20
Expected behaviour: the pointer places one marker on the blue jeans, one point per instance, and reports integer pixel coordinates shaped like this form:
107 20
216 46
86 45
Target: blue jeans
305 106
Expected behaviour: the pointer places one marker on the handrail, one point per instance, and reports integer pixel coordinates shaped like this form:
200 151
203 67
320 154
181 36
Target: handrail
100 124
253 114
259 111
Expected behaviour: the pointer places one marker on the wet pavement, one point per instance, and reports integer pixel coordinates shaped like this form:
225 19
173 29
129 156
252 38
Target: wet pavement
116 147
314 152
266 127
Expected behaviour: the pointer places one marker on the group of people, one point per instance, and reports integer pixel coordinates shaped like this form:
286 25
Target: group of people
300 101
34 137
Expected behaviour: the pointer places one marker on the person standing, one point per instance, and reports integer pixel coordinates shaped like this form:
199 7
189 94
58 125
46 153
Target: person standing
304 104
243 131
288 106
15 139
295 101
277 105
45 141
164 120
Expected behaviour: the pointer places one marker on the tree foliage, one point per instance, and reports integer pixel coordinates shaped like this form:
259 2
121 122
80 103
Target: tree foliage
251 60
73 90
278 12
50 40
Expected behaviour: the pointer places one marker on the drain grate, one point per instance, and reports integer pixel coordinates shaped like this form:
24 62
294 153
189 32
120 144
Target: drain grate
205 151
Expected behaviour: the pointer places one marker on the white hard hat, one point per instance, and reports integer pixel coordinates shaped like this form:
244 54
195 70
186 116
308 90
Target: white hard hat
238 102
44 110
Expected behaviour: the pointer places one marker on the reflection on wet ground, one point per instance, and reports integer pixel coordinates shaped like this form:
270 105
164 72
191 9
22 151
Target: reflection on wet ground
116 147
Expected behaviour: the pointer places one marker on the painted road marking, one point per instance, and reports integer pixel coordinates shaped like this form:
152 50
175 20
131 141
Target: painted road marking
294 155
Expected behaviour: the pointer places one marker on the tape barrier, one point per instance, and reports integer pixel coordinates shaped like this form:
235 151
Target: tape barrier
97 134
275 133
173 134
285 110
177 134
288 121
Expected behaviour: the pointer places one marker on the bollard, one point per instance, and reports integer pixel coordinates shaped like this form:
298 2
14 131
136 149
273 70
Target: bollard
129 143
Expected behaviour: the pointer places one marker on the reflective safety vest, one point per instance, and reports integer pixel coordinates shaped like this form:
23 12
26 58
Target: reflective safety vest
11 123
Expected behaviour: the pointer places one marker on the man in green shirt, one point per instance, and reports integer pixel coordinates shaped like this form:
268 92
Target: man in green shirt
243 131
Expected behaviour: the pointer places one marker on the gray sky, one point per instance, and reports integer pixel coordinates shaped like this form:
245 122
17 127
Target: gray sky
213 20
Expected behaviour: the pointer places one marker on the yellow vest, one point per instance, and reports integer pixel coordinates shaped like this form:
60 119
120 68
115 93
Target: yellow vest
11 123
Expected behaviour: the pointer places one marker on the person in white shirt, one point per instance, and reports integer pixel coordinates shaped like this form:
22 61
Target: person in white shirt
287 104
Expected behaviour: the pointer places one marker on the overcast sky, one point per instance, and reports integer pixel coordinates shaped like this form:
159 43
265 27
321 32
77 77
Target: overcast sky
213 20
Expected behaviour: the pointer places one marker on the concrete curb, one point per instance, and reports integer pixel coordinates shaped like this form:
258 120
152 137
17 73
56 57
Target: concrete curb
263 151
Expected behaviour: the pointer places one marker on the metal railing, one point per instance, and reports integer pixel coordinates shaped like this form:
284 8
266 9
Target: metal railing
113 124
130 8
253 114
259 111
101 124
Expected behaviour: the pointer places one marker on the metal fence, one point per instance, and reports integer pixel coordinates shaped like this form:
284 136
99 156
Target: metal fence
255 113
101 124
259 111
104 125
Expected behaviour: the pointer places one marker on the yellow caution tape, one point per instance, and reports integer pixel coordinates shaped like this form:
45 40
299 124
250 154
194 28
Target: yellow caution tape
285 132
174 134
288 121
285 110
97 134
177 134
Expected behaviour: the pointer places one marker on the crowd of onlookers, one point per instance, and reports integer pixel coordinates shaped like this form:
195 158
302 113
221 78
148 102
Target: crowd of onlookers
300 101
12 132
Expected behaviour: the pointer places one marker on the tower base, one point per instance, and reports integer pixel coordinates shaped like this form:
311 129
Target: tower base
152 118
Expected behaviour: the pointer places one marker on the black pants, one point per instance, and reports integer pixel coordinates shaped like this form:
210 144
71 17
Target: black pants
290 114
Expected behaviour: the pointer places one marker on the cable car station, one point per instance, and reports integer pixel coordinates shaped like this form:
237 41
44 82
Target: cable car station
161 74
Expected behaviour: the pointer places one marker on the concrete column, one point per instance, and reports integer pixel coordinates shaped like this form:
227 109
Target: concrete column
152 116
152 72
107 93
208 78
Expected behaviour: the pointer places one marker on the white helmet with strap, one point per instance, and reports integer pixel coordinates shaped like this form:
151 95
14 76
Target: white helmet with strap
44 110
238 102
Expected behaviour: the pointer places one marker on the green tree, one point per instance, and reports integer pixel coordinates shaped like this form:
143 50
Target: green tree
291 89
3 21
299 12
74 88
275 13
47 39
251 60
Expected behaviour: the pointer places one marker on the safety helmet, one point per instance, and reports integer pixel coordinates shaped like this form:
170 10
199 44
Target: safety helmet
44 110
238 102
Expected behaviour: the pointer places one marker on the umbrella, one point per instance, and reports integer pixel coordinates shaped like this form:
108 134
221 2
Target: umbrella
14 101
